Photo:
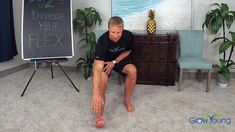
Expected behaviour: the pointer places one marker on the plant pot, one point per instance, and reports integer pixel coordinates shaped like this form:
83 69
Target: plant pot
221 81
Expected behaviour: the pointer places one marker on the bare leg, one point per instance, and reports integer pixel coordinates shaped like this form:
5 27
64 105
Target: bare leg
129 86
102 88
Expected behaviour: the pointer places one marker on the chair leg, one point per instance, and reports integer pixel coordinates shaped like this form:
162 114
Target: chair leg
177 74
180 79
208 81
199 76
119 79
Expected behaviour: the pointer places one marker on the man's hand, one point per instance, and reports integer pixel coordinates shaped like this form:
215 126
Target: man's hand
97 103
108 66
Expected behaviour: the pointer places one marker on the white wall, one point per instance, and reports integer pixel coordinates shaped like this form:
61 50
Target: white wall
200 8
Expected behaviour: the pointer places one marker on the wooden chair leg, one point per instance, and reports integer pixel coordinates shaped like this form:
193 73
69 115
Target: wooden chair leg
208 81
180 79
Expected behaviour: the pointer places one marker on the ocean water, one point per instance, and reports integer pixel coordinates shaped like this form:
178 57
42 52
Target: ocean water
170 14
125 8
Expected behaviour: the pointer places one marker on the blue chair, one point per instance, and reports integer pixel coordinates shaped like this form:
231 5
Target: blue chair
190 54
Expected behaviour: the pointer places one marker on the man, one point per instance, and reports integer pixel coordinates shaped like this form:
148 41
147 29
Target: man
112 53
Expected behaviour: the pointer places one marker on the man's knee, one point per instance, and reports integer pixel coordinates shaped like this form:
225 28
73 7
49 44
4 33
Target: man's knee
104 76
104 81
130 70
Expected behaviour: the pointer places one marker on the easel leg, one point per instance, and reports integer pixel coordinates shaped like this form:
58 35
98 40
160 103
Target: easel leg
67 77
52 72
28 82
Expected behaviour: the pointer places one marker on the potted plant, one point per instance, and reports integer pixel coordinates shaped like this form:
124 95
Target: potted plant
82 23
222 17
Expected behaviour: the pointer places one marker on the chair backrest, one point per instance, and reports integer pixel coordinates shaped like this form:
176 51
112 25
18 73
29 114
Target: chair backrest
191 43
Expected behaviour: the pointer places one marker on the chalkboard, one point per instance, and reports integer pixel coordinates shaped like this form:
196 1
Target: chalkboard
46 29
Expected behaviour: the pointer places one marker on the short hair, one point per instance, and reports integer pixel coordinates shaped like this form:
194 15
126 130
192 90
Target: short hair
116 20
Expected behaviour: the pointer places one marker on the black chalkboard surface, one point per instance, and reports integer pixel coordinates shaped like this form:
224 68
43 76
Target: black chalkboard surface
46 29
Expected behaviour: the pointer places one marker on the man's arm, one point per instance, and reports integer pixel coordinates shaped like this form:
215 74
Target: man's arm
109 65
122 56
97 101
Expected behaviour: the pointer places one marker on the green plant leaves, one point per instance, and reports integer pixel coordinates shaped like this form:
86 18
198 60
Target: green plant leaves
217 17
209 16
229 20
215 39
91 41
224 9
216 23
87 71
222 17
79 63
84 64
79 21
223 69
233 37
226 72
83 20
224 46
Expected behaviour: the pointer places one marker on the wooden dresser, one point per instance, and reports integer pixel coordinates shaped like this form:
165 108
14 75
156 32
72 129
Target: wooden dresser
155 57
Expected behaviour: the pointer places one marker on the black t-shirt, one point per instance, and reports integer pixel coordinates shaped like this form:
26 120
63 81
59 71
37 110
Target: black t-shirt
106 50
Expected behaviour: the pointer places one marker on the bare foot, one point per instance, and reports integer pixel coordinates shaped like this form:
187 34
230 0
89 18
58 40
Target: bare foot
100 122
129 106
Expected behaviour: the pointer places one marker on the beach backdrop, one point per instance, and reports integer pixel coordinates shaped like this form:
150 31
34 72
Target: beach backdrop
170 14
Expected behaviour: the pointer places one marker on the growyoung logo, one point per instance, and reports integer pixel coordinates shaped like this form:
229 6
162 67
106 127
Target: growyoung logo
210 120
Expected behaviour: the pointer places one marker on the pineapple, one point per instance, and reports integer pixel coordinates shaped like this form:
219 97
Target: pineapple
151 23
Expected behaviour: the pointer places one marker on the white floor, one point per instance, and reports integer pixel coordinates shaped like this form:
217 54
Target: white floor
55 106
17 61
